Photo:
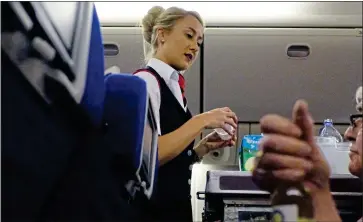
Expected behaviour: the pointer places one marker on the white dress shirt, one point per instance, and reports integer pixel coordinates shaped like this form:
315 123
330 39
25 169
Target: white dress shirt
171 77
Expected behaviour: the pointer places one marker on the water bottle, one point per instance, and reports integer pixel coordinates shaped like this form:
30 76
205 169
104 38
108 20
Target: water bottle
328 130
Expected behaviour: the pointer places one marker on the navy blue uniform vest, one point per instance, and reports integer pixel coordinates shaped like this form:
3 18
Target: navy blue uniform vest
172 200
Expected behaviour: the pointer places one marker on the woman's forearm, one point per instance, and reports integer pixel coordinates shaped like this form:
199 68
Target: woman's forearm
325 207
172 144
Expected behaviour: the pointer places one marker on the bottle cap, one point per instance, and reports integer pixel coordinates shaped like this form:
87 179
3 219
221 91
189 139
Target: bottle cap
328 121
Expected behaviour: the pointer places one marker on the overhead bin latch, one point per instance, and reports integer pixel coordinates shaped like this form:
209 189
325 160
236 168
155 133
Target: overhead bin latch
298 51
359 32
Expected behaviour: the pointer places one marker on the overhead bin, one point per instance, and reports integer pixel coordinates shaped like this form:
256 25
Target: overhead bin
243 14
123 48
256 71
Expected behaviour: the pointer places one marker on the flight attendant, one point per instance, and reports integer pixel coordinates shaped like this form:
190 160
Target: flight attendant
172 41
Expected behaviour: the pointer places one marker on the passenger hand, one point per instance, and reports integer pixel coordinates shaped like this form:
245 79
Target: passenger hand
289 153
217 118
212 142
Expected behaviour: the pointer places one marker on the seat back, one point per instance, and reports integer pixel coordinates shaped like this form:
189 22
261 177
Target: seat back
96 175
55 165
43 124
94 93
131 131
125 114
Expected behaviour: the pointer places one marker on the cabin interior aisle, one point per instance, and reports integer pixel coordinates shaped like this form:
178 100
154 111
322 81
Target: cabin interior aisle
256 64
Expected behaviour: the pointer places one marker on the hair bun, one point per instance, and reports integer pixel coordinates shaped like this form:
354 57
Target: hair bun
149 20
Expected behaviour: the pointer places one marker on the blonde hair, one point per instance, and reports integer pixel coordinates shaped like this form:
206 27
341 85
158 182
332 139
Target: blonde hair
158 17
358 99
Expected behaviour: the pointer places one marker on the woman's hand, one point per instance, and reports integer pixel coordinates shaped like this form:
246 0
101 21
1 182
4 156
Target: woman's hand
212 142
288 152
217 118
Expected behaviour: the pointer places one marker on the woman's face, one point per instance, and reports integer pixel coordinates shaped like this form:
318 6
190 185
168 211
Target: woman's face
354 134
180 46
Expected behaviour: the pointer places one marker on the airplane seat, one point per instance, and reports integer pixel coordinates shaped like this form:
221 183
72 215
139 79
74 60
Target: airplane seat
94 93
55 165
132 137
98 183
42 124
125 113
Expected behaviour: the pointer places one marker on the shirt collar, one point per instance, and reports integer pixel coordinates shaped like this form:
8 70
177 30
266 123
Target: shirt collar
164 70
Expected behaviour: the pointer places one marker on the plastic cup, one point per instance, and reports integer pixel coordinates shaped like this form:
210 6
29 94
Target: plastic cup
223 134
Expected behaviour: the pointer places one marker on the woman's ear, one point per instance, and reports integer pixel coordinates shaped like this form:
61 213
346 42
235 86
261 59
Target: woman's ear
161 35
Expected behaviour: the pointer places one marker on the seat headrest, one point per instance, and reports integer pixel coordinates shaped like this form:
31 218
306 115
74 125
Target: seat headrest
93 96
72 71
